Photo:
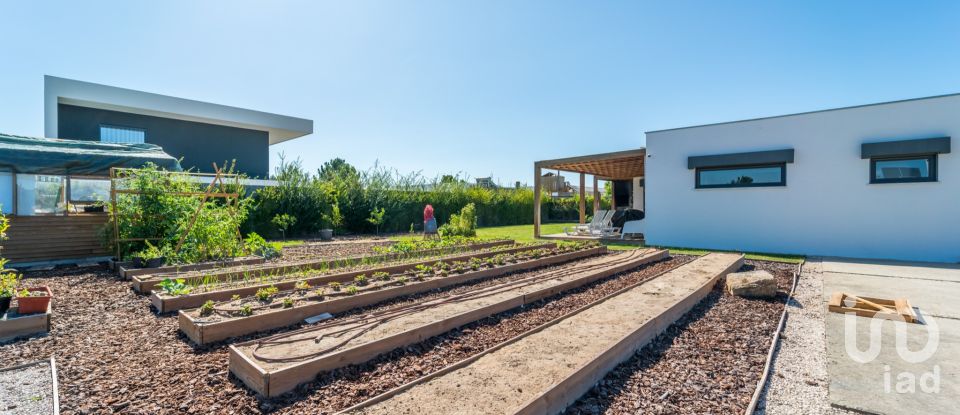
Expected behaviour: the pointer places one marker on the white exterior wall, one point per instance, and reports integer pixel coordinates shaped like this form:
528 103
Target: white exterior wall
828 206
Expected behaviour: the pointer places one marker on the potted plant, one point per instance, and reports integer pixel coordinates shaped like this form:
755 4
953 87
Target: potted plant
34 300
150 257
8 286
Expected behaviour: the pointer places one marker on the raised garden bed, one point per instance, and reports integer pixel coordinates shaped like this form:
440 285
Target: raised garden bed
165 303
544 370
146 283
126 269
30 389
277 364
306 303
14 325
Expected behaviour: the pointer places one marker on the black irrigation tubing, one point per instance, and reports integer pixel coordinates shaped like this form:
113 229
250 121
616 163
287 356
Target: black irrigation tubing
388 315
762 383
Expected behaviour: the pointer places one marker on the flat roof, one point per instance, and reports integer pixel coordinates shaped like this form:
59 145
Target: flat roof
87 94
616 165
807 112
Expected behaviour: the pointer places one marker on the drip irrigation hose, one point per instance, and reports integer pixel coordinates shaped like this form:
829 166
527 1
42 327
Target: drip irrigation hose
773 347
365 324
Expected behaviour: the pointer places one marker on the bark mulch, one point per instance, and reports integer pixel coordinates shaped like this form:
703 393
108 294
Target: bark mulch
116 356
707 362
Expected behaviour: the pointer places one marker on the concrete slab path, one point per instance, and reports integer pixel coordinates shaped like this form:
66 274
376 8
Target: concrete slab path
873 371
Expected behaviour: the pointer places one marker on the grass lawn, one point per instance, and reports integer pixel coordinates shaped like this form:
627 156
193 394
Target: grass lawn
524 233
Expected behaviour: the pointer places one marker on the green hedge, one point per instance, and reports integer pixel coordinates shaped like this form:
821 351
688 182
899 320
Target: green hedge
340 197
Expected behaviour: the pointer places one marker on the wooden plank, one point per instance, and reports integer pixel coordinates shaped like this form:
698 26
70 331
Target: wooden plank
126 269
898 309
204 333
280 380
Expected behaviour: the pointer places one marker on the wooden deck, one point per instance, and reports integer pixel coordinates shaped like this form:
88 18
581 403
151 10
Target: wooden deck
601 239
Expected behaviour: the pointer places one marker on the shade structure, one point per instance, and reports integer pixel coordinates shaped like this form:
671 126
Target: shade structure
619 165
77 157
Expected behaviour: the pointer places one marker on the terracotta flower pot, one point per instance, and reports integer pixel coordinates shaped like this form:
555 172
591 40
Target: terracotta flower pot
35 303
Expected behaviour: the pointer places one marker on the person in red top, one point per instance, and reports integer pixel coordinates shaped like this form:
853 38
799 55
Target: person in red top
429 222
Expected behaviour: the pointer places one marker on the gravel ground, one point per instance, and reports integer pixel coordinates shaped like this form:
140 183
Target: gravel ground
709 361
333 249
115 356
27 391
799 381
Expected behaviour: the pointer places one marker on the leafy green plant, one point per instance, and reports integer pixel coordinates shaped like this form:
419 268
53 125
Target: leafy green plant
377 218
320 293
175 287
381 275
150 252
334 286
264 294
235 297
207 308
360 280
301 286
287 302
256 245
461 224
283 222
352 290
246 310
402 279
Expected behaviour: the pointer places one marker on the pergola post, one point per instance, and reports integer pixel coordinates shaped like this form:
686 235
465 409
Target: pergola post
596 195
536 200
583 198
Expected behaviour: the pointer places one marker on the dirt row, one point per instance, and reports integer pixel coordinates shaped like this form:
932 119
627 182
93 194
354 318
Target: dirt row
707 362
116 356
334 249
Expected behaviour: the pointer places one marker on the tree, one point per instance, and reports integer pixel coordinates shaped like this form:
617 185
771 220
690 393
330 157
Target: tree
284 222
337 170
377 218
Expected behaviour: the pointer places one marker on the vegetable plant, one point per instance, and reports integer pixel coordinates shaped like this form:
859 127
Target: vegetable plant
381 275
335 286
246 311
174 287
360 280
264 294
302 286
207 308
352 290
287 302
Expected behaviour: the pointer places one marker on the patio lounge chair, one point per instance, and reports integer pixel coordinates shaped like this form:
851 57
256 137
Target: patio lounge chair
600 221
633 227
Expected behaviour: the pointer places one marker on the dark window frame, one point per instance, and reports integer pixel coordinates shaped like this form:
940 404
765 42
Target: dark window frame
781 183
933 169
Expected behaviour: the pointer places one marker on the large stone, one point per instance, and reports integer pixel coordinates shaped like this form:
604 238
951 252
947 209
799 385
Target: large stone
752 284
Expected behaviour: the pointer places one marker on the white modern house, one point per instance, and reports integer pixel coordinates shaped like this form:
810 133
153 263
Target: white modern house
871 181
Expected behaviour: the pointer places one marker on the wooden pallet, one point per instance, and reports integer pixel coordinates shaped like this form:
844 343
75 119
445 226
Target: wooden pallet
897 309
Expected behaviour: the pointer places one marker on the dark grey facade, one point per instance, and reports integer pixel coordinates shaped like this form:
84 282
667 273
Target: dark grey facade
199 144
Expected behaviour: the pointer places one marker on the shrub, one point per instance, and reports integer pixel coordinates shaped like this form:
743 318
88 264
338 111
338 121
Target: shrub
157 209
462 224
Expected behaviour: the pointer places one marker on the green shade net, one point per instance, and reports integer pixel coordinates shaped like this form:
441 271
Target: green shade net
78 157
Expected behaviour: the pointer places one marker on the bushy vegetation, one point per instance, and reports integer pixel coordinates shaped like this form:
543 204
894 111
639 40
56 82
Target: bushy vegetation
342 198
461 224
158 208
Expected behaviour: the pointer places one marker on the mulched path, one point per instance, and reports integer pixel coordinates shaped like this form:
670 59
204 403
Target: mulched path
116 356
707 362
332 249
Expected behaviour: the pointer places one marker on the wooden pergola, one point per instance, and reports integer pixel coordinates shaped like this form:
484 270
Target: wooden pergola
620 165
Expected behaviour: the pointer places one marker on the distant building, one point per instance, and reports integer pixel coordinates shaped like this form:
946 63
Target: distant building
486 182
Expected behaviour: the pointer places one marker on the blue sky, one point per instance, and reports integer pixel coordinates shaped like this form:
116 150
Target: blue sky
483 87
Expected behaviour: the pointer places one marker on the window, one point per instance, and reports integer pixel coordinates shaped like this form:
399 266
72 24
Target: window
89 190
6 192
122 135
40 194
904 169
742 176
